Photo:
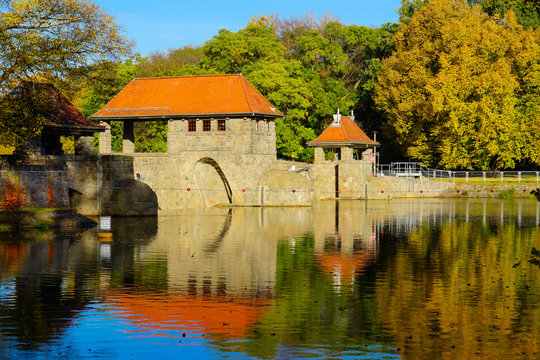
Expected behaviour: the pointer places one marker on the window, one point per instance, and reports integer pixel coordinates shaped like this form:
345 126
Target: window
268 126
206 125
221 125
192 125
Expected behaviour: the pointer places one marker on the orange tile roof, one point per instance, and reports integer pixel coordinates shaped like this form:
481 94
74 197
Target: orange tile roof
187 96
347 132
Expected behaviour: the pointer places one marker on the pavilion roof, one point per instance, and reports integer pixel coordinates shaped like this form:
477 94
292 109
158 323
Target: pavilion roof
187 96
344 132
60 114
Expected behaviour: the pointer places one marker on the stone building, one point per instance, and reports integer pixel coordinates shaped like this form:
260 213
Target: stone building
343 135
343 176
221 137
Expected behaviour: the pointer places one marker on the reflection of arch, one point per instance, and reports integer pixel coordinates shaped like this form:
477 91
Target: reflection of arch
214 164
214 247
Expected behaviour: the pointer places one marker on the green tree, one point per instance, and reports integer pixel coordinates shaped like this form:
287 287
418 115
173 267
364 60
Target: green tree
458 89
302 83
177 62
48 39
230 52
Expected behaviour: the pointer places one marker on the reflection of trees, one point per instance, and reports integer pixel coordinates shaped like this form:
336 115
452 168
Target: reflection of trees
309 310
44 298
58 275
455 291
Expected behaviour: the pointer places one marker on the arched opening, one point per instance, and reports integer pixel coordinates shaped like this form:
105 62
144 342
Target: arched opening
212 182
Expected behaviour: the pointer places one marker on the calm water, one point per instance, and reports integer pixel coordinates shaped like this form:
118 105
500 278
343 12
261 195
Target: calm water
422 279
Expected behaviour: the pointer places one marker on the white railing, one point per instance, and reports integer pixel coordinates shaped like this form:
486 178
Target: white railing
417 169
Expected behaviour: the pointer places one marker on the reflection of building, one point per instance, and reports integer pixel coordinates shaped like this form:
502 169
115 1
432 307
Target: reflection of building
231 317
347 242
226 252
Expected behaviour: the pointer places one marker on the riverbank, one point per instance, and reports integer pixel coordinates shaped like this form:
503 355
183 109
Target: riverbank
44 218
495 191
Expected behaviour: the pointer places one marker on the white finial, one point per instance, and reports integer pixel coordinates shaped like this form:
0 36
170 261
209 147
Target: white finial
337 118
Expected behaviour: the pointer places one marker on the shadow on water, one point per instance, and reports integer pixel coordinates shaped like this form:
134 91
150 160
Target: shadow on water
348 279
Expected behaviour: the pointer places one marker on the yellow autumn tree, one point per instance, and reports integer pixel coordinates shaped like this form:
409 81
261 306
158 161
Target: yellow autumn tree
43 39
461 89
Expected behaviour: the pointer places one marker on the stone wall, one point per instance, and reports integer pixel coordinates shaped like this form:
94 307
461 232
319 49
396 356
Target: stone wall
206 168
33 186
243 136
351 177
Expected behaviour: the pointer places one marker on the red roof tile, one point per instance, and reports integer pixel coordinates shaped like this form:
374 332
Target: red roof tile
187 96
346 132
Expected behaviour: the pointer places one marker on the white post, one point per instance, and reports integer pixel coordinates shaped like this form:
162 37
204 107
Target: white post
537 176
484 175
467 176
502 176
519 176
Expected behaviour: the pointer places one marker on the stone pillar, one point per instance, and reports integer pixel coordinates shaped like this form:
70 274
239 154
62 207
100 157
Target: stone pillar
105 138
347 154
319 155
84 145
128 142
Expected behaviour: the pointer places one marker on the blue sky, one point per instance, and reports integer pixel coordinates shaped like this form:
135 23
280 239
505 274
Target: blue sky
163 24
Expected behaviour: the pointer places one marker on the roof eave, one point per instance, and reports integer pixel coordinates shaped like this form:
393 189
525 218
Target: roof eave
74 128
184 116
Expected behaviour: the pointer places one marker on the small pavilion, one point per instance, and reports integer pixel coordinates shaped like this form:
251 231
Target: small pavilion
344 135
62 119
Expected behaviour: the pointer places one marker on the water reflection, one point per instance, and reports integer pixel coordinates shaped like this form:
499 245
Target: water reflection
401 278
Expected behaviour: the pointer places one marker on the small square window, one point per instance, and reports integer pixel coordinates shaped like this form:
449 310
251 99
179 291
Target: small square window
206 125
221 125
192 125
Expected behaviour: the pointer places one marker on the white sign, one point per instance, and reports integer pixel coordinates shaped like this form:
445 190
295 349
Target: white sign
105 223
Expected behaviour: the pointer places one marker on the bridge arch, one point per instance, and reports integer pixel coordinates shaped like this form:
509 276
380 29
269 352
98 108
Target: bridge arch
203 184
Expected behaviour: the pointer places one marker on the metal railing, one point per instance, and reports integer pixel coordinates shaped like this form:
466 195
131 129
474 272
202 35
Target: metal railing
417 169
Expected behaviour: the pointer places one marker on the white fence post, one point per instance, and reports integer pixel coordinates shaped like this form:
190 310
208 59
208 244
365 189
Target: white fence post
519 176
502 176
484 175
467 176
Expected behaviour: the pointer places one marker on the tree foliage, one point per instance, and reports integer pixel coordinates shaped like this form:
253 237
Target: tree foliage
51 37
527 11
298 64
461 90
48 39
27 101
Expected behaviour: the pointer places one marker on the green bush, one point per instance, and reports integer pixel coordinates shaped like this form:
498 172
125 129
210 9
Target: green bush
507 194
